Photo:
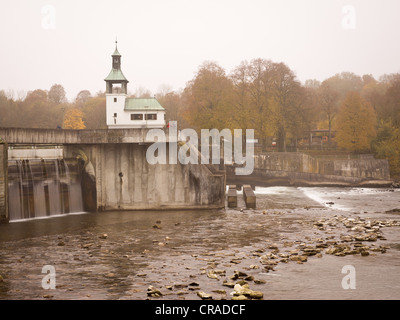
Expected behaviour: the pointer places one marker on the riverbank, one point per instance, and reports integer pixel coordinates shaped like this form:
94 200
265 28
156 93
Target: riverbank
293 246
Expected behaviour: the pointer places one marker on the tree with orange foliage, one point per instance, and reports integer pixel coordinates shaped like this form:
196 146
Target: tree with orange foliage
73 119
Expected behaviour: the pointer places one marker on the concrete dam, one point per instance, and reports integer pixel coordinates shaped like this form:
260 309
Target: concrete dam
300 169
103 170
108 167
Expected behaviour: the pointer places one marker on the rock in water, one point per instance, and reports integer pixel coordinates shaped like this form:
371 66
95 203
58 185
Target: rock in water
153 292
211 274
204 296
247 292
240 297
228 284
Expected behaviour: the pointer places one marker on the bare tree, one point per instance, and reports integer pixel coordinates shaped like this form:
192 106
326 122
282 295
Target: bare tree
82 97
56 94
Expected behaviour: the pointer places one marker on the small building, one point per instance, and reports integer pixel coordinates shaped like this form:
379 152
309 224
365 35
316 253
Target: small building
123 112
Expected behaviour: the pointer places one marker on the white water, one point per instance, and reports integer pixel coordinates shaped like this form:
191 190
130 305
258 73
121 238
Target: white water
347 199
40 189
355 199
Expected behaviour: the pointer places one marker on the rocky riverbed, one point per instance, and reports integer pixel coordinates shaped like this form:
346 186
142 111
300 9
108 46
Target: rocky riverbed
293 246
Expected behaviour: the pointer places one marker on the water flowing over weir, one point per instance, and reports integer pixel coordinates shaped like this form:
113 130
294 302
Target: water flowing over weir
41 188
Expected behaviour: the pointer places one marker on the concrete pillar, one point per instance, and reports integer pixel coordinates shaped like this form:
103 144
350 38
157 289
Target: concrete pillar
249 196
3 183
232 196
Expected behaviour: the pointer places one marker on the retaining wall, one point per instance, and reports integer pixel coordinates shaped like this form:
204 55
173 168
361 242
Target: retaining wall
3 183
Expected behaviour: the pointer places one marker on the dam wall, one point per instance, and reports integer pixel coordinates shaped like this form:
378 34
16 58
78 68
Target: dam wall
124 180
114 171
4 217
295 168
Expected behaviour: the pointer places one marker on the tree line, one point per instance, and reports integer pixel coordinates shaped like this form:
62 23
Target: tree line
50 109
358 113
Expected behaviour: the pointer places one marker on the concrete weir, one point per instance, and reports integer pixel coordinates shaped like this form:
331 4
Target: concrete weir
232 196
299 169
3 183
249 196
124 180
116 174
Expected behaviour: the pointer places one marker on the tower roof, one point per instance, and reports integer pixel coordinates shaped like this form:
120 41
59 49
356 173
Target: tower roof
116 75
143 104
116 53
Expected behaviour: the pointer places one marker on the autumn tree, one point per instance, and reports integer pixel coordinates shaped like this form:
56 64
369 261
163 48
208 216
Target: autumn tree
374 92
356 123
258 111
174 106
240 79
3 109
73 119
82 97
387 142
57 94
329 100
250 109
269 99
94 113
36 111
307 114
207 98
386 145
286 101
312 84
345 82
392 101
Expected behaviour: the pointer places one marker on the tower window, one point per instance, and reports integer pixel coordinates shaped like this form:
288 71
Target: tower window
115 115
115 99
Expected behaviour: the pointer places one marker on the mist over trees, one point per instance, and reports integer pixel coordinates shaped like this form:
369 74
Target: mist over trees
352 113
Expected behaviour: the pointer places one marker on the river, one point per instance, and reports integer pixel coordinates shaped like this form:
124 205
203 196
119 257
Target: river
118 255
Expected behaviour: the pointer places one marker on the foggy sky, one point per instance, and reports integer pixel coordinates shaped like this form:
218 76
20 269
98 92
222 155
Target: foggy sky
163 42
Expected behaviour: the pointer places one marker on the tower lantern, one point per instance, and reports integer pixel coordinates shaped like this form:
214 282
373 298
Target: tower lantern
116 81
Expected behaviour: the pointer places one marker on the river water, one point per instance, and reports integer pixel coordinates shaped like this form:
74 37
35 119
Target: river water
118 255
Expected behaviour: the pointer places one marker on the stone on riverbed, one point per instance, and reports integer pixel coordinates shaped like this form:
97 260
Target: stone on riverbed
244 290
259 281
228 284
153 292
299 258
211 274
204 296
240 297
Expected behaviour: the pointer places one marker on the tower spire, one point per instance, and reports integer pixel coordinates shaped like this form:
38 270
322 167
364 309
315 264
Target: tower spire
116 76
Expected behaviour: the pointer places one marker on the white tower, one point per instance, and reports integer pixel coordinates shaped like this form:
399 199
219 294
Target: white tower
123 112
116 91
